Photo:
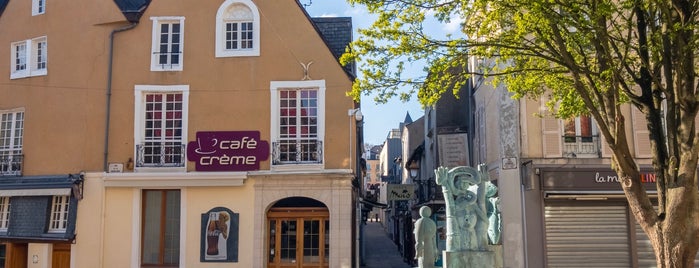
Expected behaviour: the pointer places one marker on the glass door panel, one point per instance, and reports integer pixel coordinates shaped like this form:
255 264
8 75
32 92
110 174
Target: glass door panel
311 241
288 245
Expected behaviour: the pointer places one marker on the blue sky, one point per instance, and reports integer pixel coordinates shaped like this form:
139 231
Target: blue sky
379 119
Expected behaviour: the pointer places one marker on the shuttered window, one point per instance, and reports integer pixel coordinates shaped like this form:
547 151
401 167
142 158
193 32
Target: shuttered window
551 137
640 134
587 236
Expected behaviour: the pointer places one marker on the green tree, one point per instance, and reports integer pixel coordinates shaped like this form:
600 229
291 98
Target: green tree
588 56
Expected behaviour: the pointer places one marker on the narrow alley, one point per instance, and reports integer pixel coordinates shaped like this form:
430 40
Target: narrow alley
380 252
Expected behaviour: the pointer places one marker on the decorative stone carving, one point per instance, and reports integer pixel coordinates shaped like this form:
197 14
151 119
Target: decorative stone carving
468 216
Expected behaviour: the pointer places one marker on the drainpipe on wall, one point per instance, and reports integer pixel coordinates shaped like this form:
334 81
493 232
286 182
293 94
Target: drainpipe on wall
109 88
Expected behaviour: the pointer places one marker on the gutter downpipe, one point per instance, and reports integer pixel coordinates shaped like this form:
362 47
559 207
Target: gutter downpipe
109 88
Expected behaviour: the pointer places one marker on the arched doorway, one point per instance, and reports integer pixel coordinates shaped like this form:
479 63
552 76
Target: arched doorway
298 233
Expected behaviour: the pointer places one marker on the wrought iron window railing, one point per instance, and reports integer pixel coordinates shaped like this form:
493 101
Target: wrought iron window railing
160 154
287 152
168 59
577 146
11 165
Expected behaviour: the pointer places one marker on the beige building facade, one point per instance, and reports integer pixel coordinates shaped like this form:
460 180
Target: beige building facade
196 133
561 202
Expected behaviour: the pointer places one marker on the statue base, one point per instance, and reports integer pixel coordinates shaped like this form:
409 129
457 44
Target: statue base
474 258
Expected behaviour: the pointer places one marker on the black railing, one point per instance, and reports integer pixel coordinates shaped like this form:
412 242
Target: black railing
577 146
297 152
160 154
11 165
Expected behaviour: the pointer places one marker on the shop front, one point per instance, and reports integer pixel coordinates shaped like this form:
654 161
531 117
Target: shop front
586 219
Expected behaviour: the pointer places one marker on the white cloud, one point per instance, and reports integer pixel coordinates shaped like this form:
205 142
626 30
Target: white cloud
454 25
328 15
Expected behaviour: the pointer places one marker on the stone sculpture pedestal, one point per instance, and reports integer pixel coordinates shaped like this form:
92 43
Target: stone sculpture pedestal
476 259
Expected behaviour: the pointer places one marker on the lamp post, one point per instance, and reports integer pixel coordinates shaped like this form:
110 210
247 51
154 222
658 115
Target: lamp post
358 117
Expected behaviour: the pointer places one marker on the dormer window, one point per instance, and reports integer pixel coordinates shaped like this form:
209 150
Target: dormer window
237 29
167 44
38 7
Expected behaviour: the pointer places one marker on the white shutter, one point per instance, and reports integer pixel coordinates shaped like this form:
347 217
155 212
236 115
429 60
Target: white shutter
587 236
551 137
604 147
640 134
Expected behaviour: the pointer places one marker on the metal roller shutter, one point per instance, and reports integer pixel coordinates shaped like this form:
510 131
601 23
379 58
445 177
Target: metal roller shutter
586 236
646 257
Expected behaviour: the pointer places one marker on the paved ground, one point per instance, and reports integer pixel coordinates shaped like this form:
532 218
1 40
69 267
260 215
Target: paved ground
380 251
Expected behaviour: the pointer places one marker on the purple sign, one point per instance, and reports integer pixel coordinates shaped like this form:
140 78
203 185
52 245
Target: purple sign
227 151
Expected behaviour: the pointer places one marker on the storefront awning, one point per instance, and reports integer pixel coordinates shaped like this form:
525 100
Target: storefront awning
40 185
372 204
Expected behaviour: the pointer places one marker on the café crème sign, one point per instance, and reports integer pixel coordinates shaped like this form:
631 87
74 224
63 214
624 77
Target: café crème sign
227 151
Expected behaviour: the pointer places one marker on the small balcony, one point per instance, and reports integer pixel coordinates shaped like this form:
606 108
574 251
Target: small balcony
297 152
11 165
160 154
581 147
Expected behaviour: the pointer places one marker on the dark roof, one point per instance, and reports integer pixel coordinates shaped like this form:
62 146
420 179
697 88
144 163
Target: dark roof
337 34
132 9
39 182
408 119
3 4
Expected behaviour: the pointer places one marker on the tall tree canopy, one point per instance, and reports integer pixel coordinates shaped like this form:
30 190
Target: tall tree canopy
588 56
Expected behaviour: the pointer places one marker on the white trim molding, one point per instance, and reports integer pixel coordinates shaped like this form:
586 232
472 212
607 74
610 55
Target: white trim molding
232 11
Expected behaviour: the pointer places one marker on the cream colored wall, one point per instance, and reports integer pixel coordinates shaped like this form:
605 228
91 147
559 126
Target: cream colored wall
231 94
114 241
334 190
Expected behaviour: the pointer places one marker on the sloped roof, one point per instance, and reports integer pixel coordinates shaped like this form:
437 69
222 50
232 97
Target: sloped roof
3 4
337 34
132 9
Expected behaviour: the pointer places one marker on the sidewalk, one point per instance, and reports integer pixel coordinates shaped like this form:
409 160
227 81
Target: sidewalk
380 251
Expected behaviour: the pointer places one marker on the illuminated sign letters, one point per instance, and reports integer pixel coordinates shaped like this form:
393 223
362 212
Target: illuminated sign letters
227 151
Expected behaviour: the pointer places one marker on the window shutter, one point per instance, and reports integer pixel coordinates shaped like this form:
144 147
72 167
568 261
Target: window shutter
551 137
604 147
640 134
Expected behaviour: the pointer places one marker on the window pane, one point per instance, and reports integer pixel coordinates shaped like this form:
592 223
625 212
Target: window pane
151 226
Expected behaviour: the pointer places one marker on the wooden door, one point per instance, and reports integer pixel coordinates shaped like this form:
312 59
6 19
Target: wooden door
16 255
60 257
298 238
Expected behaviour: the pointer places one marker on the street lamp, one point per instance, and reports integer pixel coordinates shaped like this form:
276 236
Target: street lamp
414 169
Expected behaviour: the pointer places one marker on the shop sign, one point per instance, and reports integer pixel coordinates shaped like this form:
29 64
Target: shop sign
589 179
227 151
219 235
400 191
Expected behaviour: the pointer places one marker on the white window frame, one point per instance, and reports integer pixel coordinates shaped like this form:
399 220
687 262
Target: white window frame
15 137
155 66
34 55
38 7
58 221
4 213
139 119
275 87
223 16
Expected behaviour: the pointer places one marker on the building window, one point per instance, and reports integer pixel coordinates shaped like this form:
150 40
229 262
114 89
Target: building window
580 137
4 213
161 228
298 122
167 44
237 29
29 58
59 214
38 7
161 125
11 131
